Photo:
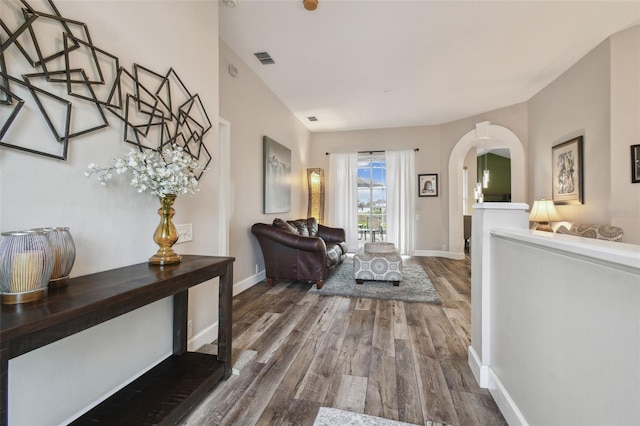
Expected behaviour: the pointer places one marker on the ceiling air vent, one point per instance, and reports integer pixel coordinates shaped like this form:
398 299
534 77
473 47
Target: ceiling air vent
312 118
264 58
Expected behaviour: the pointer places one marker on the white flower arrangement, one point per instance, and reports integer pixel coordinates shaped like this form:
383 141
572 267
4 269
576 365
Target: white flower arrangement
171 172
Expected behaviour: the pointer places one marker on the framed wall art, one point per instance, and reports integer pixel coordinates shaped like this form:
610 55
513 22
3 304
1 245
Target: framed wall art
428 185
567 170
635 163
277 177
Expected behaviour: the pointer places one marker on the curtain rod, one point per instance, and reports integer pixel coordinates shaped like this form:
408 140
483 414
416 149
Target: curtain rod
372 152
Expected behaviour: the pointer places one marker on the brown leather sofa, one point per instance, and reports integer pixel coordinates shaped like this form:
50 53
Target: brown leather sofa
300 249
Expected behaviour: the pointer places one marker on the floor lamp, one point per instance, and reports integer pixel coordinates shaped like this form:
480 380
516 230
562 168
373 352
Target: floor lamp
315 184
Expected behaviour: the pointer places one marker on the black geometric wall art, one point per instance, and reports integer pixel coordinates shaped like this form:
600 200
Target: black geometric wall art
47 48
80 125
5 99
14 109
140 134
113 65
203 160
156 109
173 93
144 77
194 110
12 36
139 112
59 147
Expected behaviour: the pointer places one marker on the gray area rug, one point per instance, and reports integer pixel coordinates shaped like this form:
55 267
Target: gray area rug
333 417
414 287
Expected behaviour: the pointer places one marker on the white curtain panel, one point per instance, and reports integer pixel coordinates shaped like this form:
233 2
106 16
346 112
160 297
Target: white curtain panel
401 199
342 188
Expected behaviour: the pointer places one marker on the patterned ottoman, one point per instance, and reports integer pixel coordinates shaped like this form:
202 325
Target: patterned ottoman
378 261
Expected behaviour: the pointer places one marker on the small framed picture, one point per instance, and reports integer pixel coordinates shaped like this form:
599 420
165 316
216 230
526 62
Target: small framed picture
566 166
635 163
428 185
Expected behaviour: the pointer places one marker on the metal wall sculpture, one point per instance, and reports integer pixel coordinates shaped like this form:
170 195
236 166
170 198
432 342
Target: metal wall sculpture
156 109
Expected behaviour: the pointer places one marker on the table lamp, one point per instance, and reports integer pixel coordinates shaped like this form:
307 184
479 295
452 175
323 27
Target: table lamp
542 213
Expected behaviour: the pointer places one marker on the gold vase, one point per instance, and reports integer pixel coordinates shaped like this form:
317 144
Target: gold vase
166 234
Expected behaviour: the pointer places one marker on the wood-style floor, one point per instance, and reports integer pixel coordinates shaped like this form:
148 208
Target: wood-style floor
397 360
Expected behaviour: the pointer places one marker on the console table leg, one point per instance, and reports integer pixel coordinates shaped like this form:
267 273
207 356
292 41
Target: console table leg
4 385
224 320
180 312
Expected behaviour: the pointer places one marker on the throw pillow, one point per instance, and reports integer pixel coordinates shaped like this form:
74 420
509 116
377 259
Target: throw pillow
301 226
281 224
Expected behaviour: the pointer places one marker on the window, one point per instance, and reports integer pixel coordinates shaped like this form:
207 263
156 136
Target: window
372 197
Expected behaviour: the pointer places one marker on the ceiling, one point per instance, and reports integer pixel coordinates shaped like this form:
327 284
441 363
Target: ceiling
358 64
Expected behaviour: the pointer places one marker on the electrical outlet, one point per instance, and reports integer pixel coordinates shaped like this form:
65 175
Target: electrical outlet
257 268
185 233
189 329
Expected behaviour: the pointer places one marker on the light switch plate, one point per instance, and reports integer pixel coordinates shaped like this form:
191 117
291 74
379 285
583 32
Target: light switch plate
185 233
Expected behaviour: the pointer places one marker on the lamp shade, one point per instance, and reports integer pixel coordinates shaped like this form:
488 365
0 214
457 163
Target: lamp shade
544 211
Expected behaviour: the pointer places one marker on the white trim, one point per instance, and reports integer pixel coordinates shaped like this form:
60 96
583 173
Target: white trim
249 282
208 335
480 372
115 390
439 253
507 406
499 137
224 181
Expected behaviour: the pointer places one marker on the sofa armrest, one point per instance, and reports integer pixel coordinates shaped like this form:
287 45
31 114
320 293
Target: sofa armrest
333 235
289 239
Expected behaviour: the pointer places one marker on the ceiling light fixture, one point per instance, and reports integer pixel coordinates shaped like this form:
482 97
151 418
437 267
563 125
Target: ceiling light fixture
310 4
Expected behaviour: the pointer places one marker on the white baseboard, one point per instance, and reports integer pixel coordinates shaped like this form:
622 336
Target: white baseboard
249 282
480 372
206 336
439 253
506 404
210 333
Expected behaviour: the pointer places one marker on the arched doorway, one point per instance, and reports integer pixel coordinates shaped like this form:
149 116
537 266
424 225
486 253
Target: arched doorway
493 137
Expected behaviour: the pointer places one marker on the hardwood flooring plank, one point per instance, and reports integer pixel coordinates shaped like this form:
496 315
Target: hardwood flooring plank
273 337
383 328
355 354
257 396
409 406
459 376
365 304
382 399
255 330
317 380
442 333
280 403
400 329
301 413
460 325
474 409
347 393
224 397
435 397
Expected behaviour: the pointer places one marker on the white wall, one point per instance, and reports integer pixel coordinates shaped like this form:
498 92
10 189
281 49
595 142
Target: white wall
577 103
624 206
599 98
564 329
255 111
112 226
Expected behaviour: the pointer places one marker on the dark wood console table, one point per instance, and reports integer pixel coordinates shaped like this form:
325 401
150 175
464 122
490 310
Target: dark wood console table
165 393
